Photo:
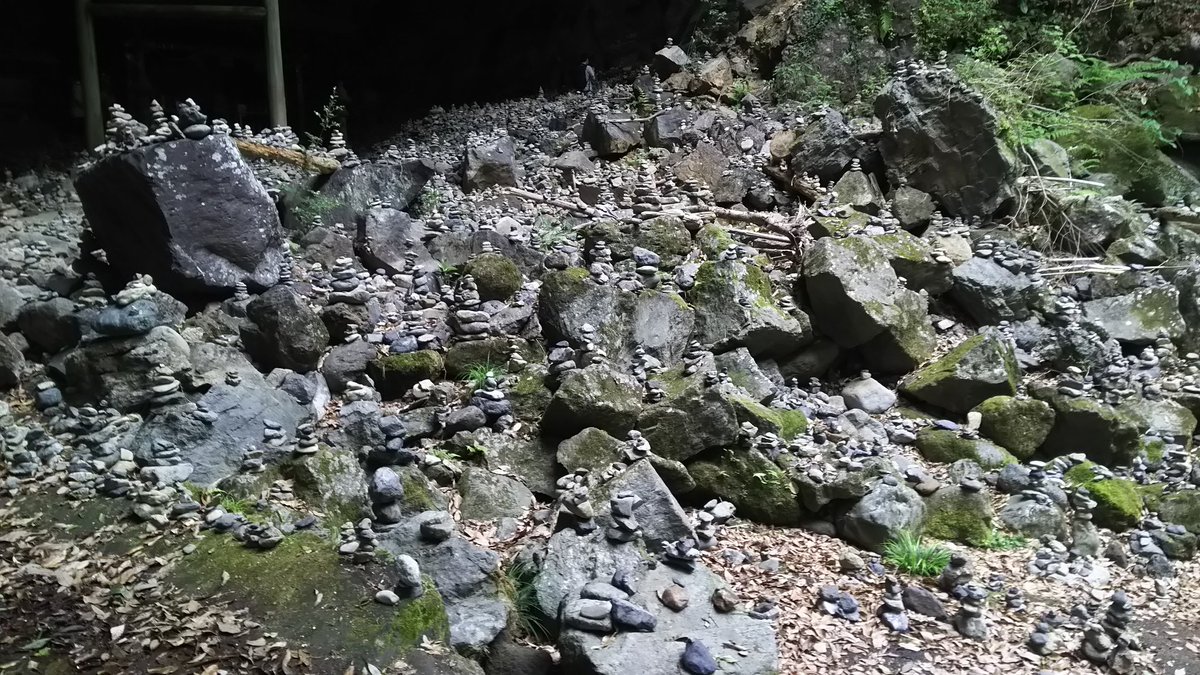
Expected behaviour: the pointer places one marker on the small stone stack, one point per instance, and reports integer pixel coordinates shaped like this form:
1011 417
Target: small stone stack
958 572
681 555
572 492
165 389
252 460
347 286
193 121
306 439
21 462
490 398
358 541
835 602
274 437
469 322
891 613
601 268
969 620
1085 538
139 288
625 527
160 123
1104 642
636 446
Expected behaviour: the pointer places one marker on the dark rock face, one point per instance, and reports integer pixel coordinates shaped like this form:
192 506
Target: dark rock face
610 138
120 370
283 332
50 326
943 139
11 363
826 148
381 240
189 213
354 188
492 164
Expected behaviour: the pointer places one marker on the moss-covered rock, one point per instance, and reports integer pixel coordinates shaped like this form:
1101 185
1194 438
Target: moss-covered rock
954 514
419 494
947 447
1137 319
844 485
1105 434
1182 507
461 357
713 240
1164 417
1118 501
332 480
282 583
395 374
695 420
981 367
530 396
667 237
592 449
788 424
596 396
761 491
735 308
497 277
1020 425
912 257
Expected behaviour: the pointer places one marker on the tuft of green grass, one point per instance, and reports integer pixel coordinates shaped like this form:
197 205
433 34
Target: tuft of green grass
515 584
1002 541
478 374
909 554
231 504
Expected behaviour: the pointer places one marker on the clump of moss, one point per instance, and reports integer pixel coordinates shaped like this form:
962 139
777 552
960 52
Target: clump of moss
761 491
1118 501
939 445
530 397
419 365
956 515
713 240
412 622
1020 425
788 424
497 277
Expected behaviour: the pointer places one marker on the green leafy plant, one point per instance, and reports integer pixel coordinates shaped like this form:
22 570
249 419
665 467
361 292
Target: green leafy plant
329 119
546 238
796 80
307 205
953 24
231 504
741 89
479 373
909 554
515 584
474 451
1002 541
447 271
717 22
428 202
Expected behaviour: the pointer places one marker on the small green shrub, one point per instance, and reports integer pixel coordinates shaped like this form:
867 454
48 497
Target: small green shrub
953 24
1001 541
909 554
307 206
515 583
796 80
741 88
427 203
231 504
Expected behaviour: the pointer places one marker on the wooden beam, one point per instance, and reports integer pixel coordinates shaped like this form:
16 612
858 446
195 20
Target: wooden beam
212 11
276 96
89 76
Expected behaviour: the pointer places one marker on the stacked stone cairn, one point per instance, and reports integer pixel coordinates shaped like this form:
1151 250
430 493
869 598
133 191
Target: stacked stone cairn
891 613
624 527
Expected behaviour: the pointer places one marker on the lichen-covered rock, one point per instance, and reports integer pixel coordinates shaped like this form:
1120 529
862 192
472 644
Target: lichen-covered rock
120 371
666 236
487 495
845 485
331 480
1163 417
1020 425
744 372
825 148
688 423
284 332
787 424
1182 507
1107 435
977 369
1032 518
955 514
947 143
354 190
990 293
880 516
1137 319
497 277
394 374
913 259
591 449
947 447
492 164
759 489
735 308
596 396
859 303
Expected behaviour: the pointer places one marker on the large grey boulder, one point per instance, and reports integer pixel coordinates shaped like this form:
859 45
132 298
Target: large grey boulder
979 368
745 373
668 128
686 425
347 363
657 653
887 510
216 450
384 237
735 308
492 164
592 449
611 137
661 517
596 396
669 60
944 140
464 575
12 363
990 293
283 332
1033 518
121 370
826 148
487 495
136 318
189 213
572 560
1137 319
50 326
859 303
355 189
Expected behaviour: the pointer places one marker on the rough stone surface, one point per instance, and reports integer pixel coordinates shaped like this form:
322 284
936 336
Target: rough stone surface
981 367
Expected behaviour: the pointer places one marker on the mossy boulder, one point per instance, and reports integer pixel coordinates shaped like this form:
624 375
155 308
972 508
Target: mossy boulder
912 258
419 494
395 374
979 368
761 490
497 277
1105 434
1137 319
713 240
666 236
1164 417
463 356
845 485
592 449
889 509
1182 507
1118 501
788 424
947 447
955 514
596 396
282 583
530 396
841 225
694 421
735 308
1020 425
487 495
332 480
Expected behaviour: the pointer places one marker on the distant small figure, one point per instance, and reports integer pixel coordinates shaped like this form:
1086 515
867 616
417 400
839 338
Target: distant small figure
589 78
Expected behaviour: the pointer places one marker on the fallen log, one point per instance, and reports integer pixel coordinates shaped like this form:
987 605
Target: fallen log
252 150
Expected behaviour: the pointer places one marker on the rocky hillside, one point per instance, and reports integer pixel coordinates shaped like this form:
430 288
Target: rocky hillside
676 376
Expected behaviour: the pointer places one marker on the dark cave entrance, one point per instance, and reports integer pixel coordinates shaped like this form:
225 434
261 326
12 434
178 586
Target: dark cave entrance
392 60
